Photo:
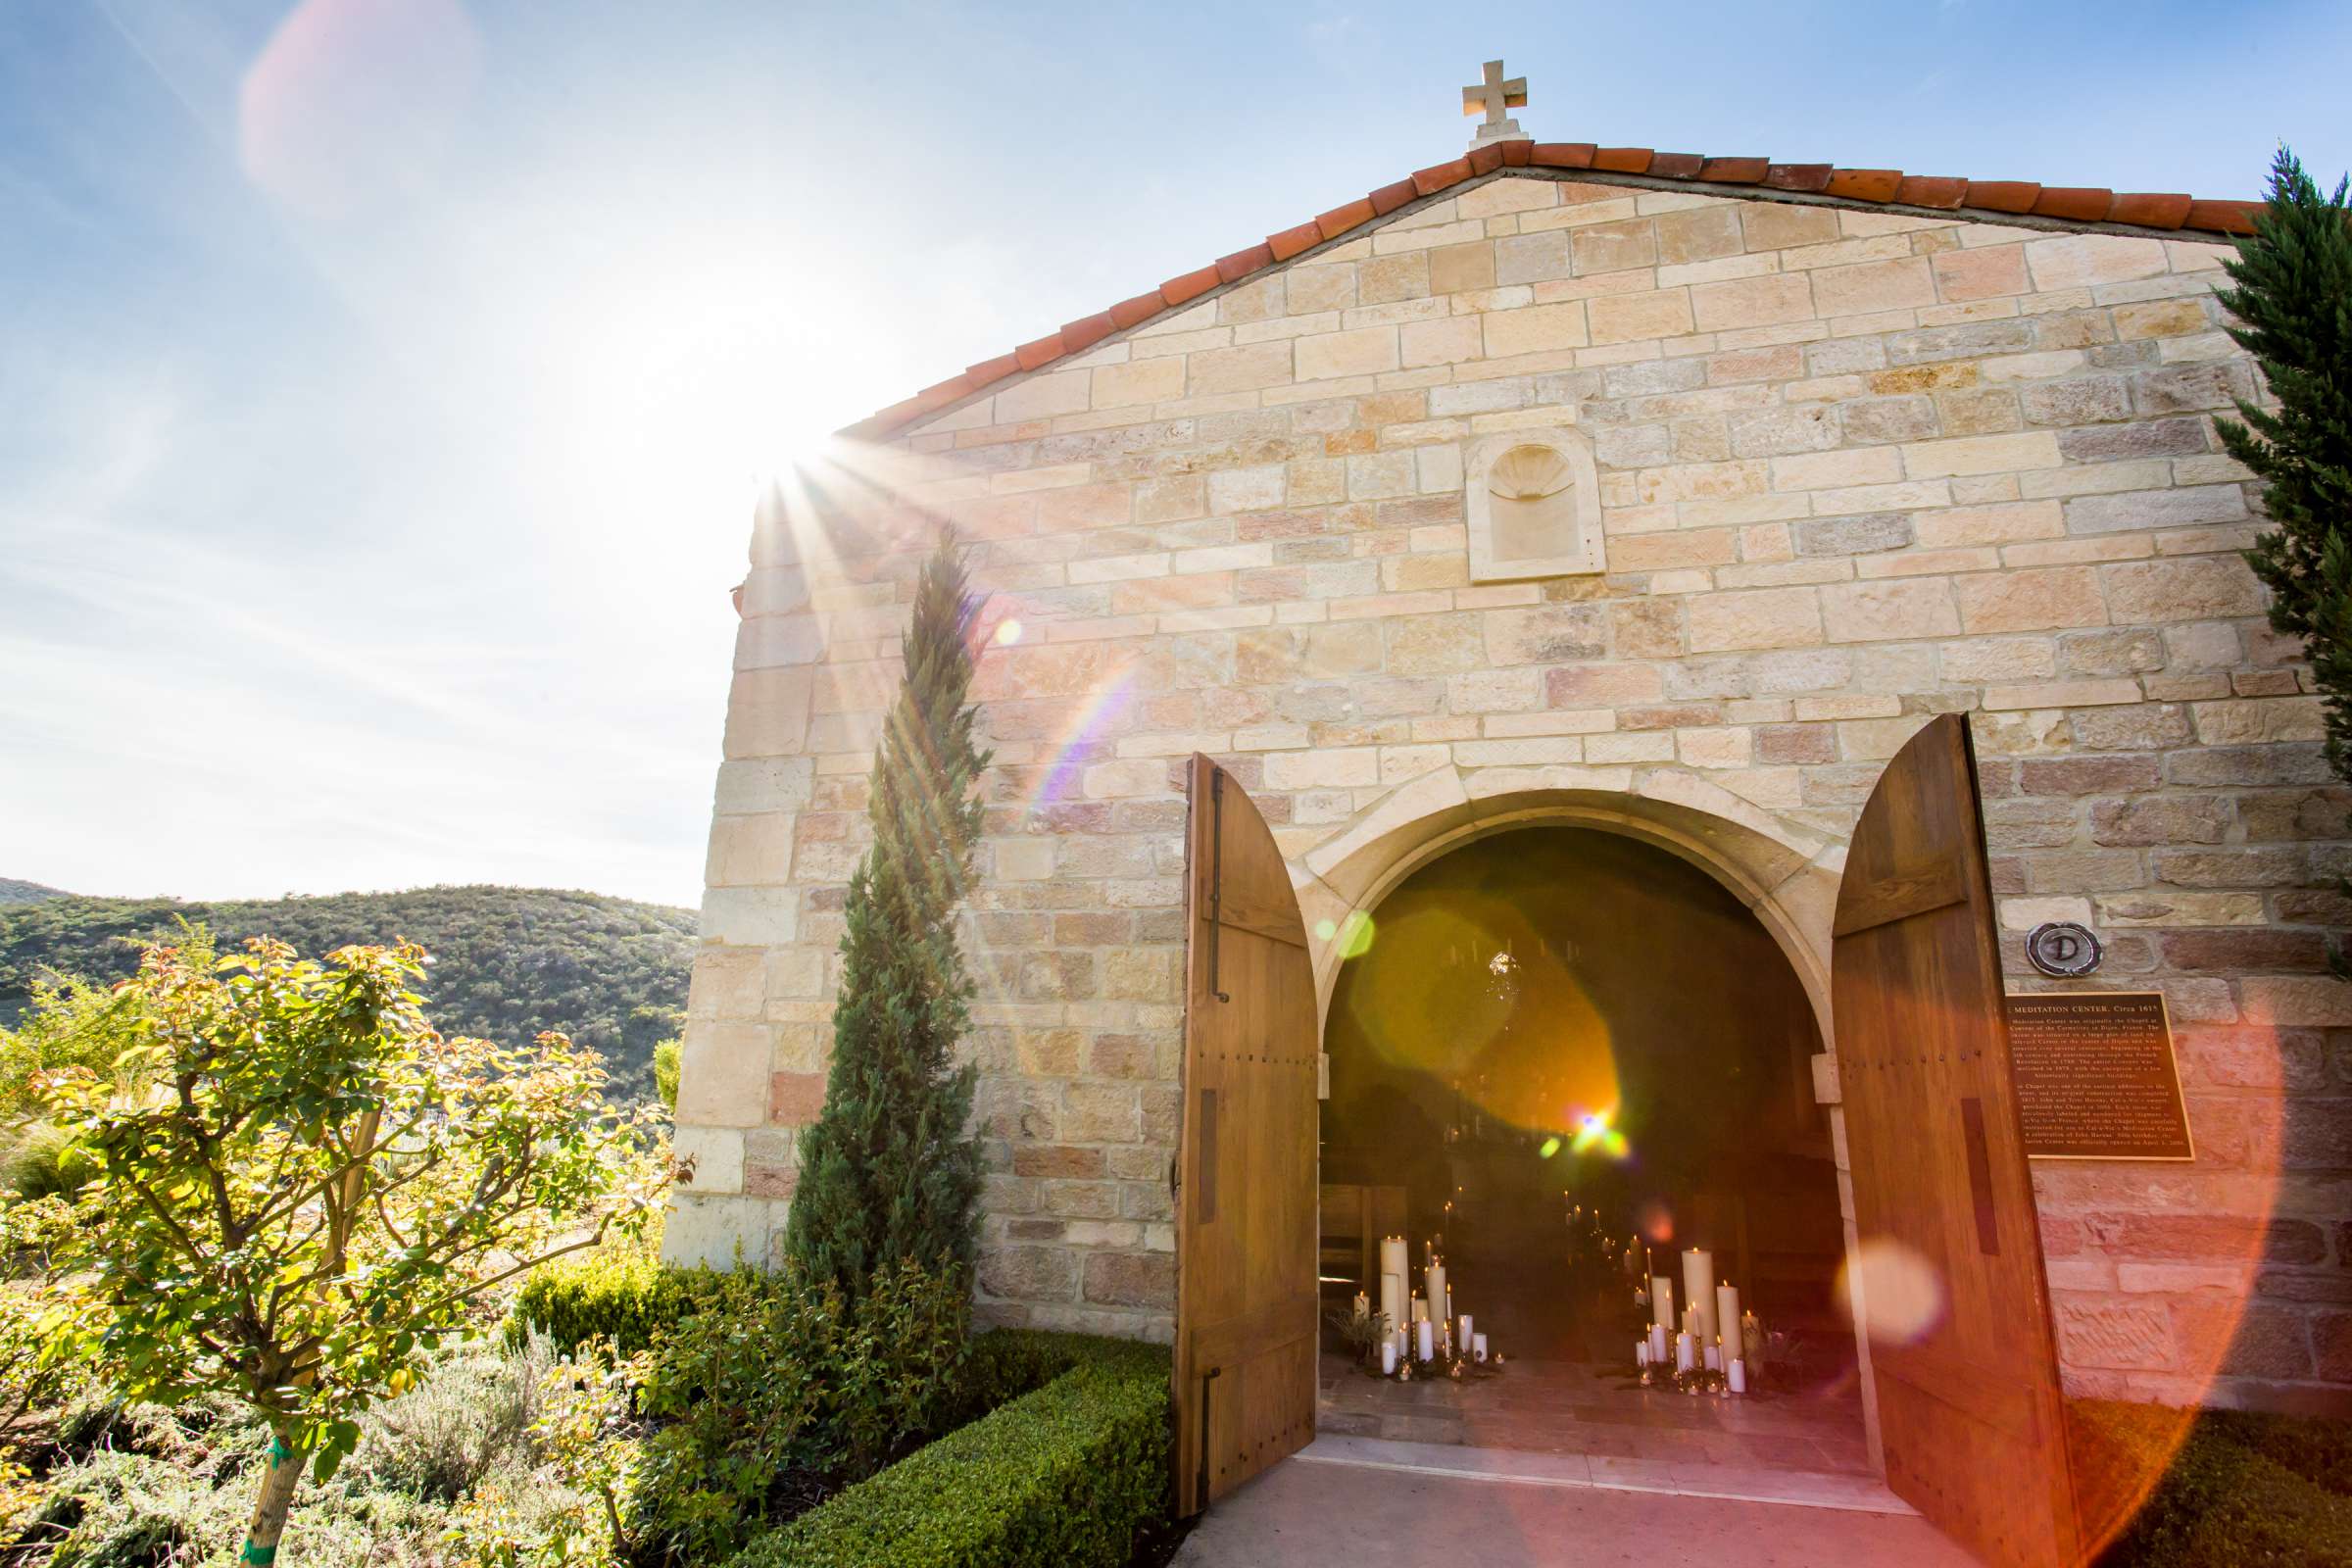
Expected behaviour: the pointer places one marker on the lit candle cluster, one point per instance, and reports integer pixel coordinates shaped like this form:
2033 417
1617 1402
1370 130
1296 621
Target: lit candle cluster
1712 1345
1420 1327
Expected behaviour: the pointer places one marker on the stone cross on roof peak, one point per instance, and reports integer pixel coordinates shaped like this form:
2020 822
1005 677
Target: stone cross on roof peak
1491 97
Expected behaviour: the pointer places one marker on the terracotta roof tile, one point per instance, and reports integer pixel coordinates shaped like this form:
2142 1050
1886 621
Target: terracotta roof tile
2002 195
2088 206
1931 190
1138 310
1003 366
1044 350
1340 220
2223 216
1290 241
1864 184
1440 177
1858 186
1190 286
1241 263
1086 332
1798 177
1561 154
2150 212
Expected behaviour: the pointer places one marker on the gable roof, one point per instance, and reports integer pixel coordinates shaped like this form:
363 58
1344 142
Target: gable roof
2079 209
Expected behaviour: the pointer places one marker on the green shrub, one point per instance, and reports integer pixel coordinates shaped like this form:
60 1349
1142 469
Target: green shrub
666 1055
792 1375
2319 1452
41 1160
2214 1503
622 1294
1002 1365
1067 1474
469 1415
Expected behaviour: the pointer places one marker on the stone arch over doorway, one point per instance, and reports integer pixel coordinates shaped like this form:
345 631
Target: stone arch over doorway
1785 872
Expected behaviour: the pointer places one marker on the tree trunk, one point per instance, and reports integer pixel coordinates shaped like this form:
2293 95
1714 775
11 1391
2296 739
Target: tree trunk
284 1473
277 1501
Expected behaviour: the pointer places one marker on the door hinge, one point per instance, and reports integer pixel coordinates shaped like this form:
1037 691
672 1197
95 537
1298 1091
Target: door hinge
1216 874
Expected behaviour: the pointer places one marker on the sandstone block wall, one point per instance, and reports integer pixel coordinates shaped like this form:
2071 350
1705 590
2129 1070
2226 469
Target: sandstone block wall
1856 468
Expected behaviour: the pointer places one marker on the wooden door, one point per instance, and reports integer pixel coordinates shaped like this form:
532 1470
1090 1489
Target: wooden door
1968 1404
1246 1303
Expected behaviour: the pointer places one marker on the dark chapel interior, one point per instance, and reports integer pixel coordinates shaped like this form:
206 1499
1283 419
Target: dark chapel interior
1557 1035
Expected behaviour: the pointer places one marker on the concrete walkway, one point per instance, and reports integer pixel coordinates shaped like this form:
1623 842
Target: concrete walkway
1377 1510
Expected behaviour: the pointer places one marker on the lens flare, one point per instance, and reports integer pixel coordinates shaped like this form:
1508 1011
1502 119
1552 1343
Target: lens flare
1008 632
1081 744
1595 1135
1893 1292
1551 1146
1459 984
355 108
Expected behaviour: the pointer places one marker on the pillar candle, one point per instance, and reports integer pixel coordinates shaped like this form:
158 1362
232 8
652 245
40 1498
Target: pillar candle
1480 1344
1392 1280
1429 1340
1727 1318
1435 1280
1682 1352
1640 1352
1363 1307
1420 1310
1388 1356
1465 1330
1699 1288
1739 1375
1714 1361
1657 1343
1752 1340
1661 1301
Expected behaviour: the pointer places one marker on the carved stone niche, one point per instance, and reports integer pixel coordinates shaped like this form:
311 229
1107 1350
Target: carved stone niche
1532 503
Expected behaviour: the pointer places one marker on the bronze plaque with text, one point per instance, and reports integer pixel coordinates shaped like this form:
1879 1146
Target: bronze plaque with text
2095 1076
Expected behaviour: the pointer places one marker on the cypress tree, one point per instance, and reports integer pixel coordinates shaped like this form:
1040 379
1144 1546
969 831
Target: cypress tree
2294 304
888 1172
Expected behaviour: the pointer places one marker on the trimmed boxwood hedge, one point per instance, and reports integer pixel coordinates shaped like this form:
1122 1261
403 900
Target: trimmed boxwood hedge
2221 1498
1069 1472
1055 1446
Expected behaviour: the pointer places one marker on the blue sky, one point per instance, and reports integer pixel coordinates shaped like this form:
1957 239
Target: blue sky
384 383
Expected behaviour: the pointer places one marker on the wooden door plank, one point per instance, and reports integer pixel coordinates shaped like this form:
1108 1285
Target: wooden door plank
1969 1407
1245 1308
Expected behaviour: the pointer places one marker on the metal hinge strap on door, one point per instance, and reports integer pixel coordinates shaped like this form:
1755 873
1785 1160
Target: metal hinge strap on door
1207 1427
1216 873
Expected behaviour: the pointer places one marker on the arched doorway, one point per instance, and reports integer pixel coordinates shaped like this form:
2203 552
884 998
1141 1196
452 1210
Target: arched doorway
1544 1043
1941 1249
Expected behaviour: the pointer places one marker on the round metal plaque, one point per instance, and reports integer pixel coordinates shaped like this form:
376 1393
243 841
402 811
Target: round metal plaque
2063 948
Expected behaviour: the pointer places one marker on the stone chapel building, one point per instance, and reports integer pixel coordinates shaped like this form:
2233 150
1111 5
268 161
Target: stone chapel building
1650 491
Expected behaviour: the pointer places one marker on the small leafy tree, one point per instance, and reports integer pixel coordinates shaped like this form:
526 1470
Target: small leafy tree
888 1172
2293 305
666 1073
302 1189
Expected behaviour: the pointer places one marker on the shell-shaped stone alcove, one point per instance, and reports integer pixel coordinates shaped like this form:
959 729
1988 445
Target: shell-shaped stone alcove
1533 504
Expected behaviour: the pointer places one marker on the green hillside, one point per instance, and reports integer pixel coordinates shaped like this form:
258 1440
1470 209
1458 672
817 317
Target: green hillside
506 961
14 891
